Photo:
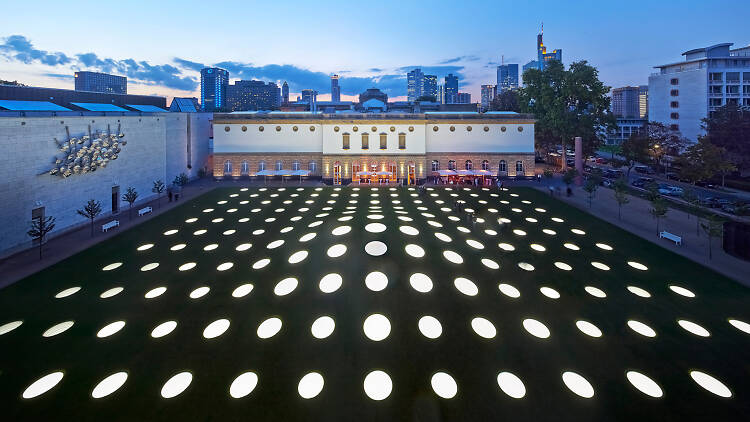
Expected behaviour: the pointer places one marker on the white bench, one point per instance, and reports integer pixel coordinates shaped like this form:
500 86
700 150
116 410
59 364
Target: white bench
144 210
673 237
113 223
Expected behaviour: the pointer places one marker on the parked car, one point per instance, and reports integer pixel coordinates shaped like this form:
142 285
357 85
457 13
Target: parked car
642 182
710 201
670 190
613 174
607 183
644 170
601 160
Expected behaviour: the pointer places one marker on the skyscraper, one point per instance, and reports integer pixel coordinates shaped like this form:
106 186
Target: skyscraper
429 86
488 94
101 82
414 84
451 89
630 102
507 76
463 98
542 56
285 93
310 96
252 95
335 89
214 83
441 94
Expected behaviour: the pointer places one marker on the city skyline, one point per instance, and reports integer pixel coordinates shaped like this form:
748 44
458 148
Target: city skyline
49 53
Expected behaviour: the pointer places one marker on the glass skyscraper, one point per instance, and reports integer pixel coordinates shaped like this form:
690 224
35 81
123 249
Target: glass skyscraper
507 76
451 89
335 89
252 95
214 83
101 82
542 56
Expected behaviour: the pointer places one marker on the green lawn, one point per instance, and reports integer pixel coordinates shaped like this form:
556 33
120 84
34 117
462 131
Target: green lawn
345 357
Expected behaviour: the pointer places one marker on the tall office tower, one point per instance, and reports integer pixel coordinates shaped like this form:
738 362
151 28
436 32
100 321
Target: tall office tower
507 77
429 87
643 100
441 94
463 98
101 82
414 84
488 94
683 93
310 97
285 93
335 89
542 56
451 89
214 83
252 95
626 102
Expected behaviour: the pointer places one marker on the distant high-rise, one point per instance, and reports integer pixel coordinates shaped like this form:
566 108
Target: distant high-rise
429 86
507 76
414 84
531 65
214 82
310 96
630 102
285 93
101 82
252 95
451 89
542 56
441 94
463 98
488 94
335 89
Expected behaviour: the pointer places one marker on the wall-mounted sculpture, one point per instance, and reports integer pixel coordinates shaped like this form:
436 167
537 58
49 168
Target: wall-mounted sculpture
87 153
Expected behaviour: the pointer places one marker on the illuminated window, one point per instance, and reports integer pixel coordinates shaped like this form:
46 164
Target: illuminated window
469 165
485 165
345 141
520 128
355 128
245 168
411 128
434 128
335 128
295 165
393 128
383 141
312 166
435 165
365 141
227 167
279 165
401 141
261 165
486 128
374 129
502 129
295 128
312 128
451 164
452 128
278 128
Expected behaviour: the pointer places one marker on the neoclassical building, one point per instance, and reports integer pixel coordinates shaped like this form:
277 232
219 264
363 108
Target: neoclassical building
404 148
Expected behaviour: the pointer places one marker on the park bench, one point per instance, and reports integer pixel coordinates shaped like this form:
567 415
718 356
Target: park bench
673 237
144 210
113 223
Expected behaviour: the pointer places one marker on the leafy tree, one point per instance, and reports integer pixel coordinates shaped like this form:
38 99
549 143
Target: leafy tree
612 149
426 98
569 176
663 141
621 195
591 185
92 209
130 196
652 191
39 229
658 210
729 127
548 174
714 227
505 101
567 103
635 150
180 180
158 189
703 160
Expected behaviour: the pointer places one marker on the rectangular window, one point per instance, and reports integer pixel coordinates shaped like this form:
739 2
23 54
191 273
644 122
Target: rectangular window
383 141
674 81
715 102
401 141
365 141
345 141
714 89
733 77
716 77
37 213
746 77
674 92
674 104
674 127
674 115
733 89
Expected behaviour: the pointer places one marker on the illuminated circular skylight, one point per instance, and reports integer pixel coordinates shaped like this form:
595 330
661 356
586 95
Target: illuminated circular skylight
375 216
736 323
111 292
176 385
67 292
269 328
572 246
376 248
414 250
261 263
110 329
242 290
453 257
506 247
637 265
307 237
376 281
191 220
341 230
600 266
10 326
170 232
474 244
243 385
323 327
596 292
578 231
285 286
224 266
178 247
199 292
490 264
310 385
509 290
411 231
275 244
444 385
155 292
483 327
693 328
375 227
563 266
644 384
588 328
549 232
163 329
681 291
378 385
330 283
149 267
243 247
187 266
443 237
109 385
210 247
578 384
466 286
641 328
550 292
200 232
525 266
42 385
711 384
536 328
376 327
537 247
604 246
58 329
430 327
336 251
145 247
297 257
639 292
511 385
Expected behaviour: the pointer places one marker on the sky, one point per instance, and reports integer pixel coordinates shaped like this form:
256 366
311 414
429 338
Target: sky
161 45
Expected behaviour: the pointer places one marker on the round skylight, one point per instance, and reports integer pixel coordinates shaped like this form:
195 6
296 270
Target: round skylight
490 264
243 385
511 385
506 247
242 290
224 266
210 247
711 384
536 328
378 385
297 257
155 292
578 384
307 237
466 286
109 385
216 328
110 329
509 290
681 291
269 328
310 385
243 247
376 327
414 250
177 247
330 283
693 328
149 267
443 237
145 247
453 257
42 385
444 385
176 385
550 292
341 230
740 325
572 246
430 327
644 384
375 248
58 329
641 328
637 265
474 244
563 266
261 263
285 286
199 292
639 292
375 227
600 266
275 244
604 246
163 329
588 328
376 281
525 266
10 326
67 292
187 266
594 291
323 327
483 327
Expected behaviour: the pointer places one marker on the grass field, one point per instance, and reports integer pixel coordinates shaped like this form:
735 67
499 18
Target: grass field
499 310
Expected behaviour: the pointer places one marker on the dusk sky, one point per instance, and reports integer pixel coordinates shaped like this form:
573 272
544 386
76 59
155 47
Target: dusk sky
160 45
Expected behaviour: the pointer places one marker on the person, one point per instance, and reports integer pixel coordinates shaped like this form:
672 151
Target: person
169 194
539 178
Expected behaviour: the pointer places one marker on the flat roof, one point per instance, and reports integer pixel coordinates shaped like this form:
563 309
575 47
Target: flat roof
99 107
16 105
147 108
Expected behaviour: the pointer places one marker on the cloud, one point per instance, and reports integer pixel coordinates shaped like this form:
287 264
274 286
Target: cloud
470 58
58 75
18 47
440 71
187 64
375 69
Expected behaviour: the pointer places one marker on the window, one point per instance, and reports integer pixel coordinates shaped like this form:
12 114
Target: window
732 101
260 128
674 81
295 165
393 128
746 77
674 92
355 128
244 128
674 104
674 127
226 128
468 165
714 90
520 128
502 129
503 167
435 165
345 140
452 128
278 128
451 164
485 165
733 77
245 168
434 128
312 128
486 128
733 89
227 167
365 141
261 165
279 165
519 167
312 166
295 128
401 141
746 90
374 129
411 128
355 169
335 128
383 141
468 128
674 115
715 77
714 102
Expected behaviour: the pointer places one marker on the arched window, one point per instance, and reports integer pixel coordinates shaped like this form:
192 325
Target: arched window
469 165
261 165
345 139
485 165
365 140
227 167
435 165
356 168
383 141
503 166
279 165
451 164
519 167
295 165
401 141
245 168
312 166
373 167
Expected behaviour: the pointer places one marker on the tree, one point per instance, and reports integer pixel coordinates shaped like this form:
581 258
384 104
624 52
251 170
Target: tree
663 141
703 160
714 227
92 209
548 174
658 210
635 150
729 127
180 180
566 104
569 176
130 196
39 229
158 189
621 195
692 198
591 185
612 149
505 101
427 98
